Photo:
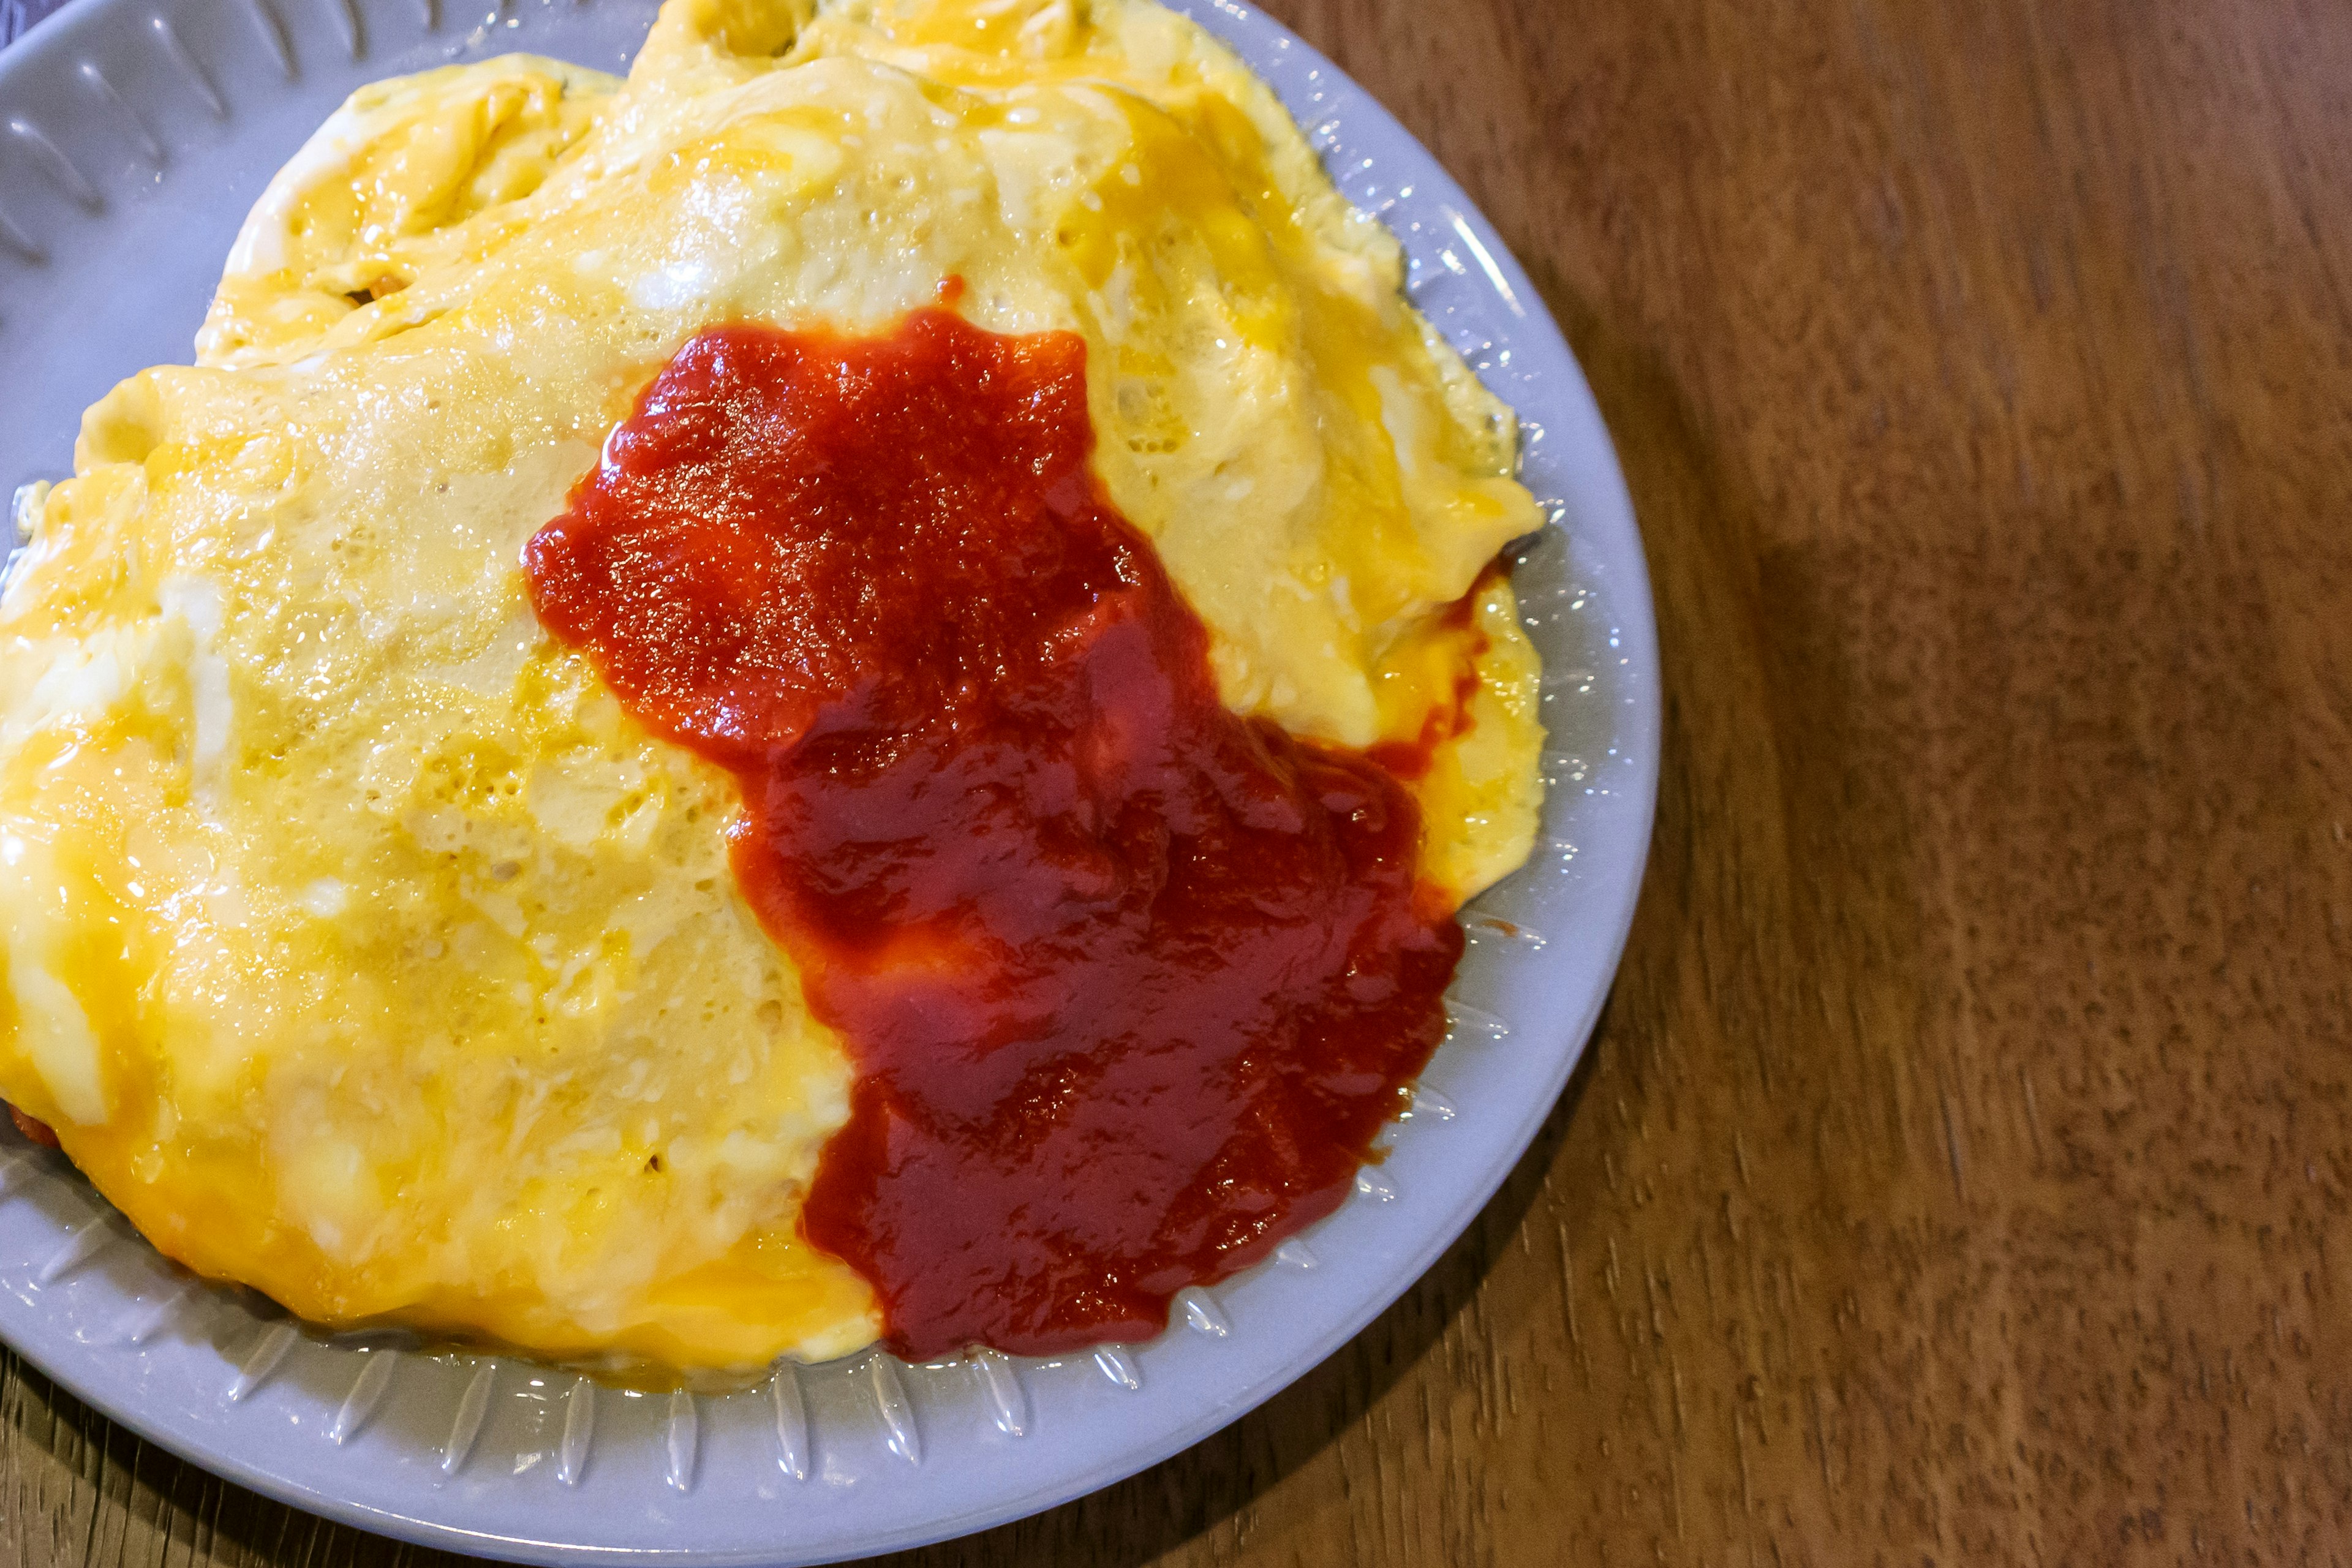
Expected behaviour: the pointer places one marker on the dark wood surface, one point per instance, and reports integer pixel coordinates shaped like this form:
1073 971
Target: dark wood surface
1960 1173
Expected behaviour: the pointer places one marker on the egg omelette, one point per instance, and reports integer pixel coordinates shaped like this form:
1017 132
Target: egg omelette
354 939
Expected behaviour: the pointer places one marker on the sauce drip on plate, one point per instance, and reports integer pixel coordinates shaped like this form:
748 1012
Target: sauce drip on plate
1130 983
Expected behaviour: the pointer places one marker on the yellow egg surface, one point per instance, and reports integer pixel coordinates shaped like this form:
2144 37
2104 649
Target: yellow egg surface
352 938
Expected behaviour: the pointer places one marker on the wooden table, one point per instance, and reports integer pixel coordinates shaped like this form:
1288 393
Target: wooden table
1960 1173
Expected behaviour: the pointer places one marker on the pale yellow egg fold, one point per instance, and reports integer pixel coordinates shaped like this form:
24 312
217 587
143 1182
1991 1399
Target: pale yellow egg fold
354 941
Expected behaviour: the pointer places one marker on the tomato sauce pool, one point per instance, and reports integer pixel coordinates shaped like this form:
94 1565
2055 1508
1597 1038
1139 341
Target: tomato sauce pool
1128 983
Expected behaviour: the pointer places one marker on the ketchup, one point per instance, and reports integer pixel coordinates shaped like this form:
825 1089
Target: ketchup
1129 982
1411 760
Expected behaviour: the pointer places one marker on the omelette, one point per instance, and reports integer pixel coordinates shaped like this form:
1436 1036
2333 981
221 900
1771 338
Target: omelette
428 898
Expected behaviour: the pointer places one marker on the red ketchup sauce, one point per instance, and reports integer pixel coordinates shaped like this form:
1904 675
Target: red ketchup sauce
1129 982
1411 760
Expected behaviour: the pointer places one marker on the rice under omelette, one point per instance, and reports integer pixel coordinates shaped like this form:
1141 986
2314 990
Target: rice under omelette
357 943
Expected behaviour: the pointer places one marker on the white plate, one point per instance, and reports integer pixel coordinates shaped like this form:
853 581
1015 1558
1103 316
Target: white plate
133 135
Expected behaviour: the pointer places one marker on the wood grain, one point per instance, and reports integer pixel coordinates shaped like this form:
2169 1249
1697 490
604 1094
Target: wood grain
1959 1174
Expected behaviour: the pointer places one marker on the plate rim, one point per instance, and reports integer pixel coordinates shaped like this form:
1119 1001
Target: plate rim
1252 36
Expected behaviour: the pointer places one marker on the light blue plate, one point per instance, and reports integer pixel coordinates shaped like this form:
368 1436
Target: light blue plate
133 135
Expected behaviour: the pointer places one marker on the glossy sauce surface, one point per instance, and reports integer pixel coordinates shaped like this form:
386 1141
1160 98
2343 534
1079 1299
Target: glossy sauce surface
1130 983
